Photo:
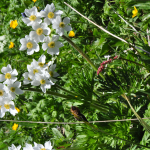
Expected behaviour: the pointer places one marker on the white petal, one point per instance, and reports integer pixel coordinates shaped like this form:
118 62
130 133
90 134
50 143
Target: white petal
66 20
68 28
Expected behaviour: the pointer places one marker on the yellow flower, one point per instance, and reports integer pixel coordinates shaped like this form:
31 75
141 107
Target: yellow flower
34 1
11 45
15 126
13 24
134 12
17 109
71 34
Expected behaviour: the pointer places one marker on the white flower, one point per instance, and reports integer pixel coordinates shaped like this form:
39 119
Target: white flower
9 74
29 44
52 72
47 146
107 56
26 80
14 88
60 26
3 91
13 147
34 69
28 147
41 62
42 79
52 45
49 13
40 31
9 106
32 16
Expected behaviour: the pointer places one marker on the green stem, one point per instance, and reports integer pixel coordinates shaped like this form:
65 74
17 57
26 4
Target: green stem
83 54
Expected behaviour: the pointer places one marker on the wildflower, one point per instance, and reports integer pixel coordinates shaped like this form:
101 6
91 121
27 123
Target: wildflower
49 13
28 147
13 24
14 88
33 16
15 126
40 31
13 147
60 25
17 109
71 34
115 57
47 146
134 12
52 72
43 81
11 45
41 62
34 1
9 74
52 45
3 91
29 44
26 80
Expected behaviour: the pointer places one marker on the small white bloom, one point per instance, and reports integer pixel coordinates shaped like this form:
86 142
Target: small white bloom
52 45
49 13
3 91
28 147
26 80
14 88
107 56
42 79
9 74
40 31
60 26
34 69
29 44
9 106
33 16
41 62
47 146
52 72
13 147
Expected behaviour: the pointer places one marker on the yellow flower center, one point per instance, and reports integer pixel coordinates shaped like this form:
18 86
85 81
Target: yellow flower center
41 64
50 15
35 71
42 81
29 79
42 149
0 106
51 73
61 25
32 17
1 92
12 89
51 44
29 45
7 106
39 31
7 76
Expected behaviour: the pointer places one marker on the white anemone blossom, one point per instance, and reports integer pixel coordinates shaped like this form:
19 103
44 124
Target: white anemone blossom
52 45
43 81
50 14
14 88
47 146
40 31
8 106
60 25
3 91
13 147
8 74
28 147
41 62
29 44
52 72
34 69
26 80
33 16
